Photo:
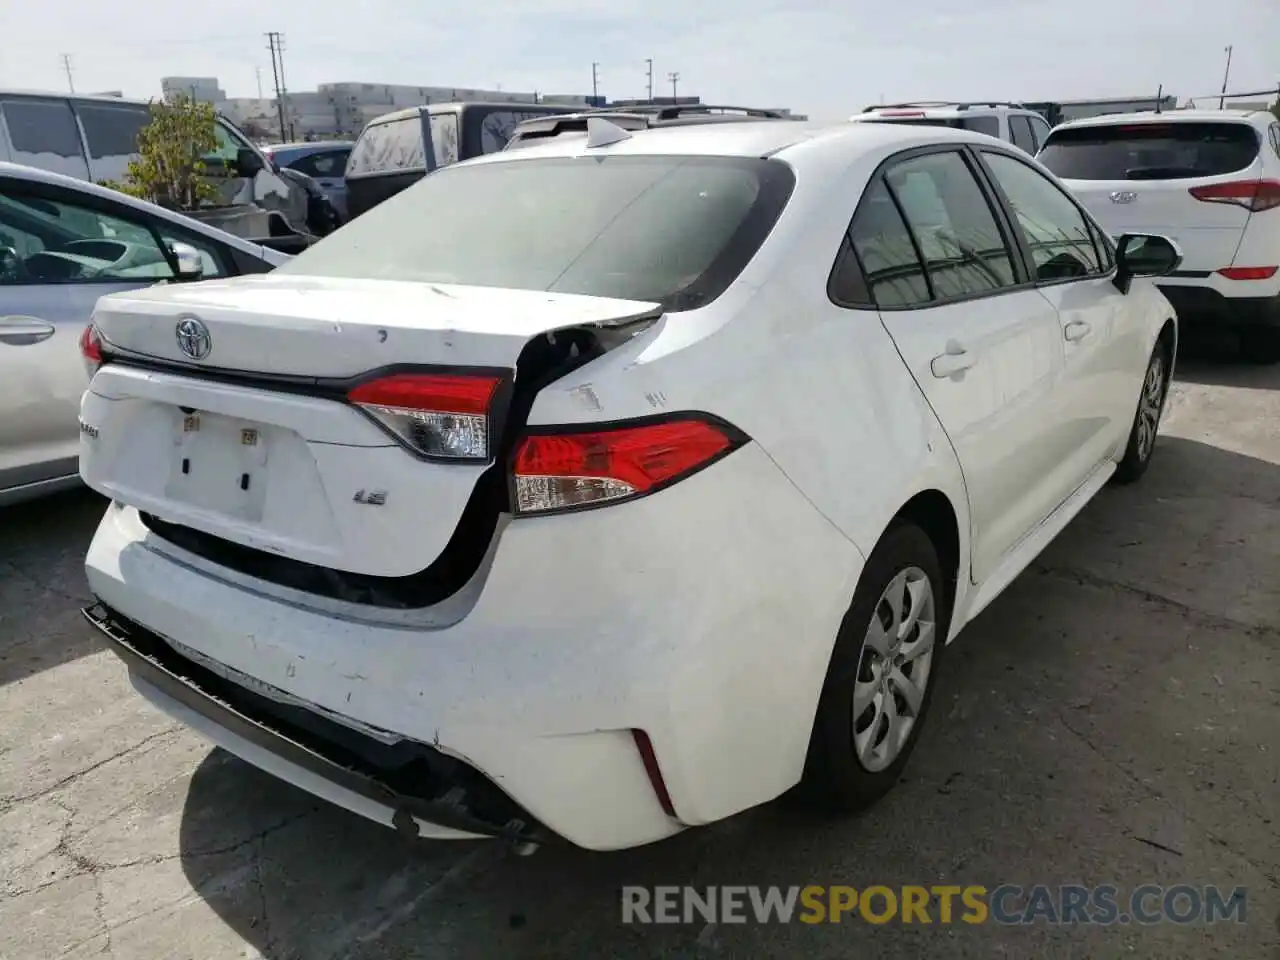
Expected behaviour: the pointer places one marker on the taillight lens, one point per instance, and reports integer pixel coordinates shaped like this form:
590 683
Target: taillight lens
583 467
1254 195
91 348
444 416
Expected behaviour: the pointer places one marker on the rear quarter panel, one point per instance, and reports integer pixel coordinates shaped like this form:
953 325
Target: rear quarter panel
820 388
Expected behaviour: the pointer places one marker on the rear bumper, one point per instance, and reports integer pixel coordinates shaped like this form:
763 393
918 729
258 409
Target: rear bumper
703 616
1208 306
418 791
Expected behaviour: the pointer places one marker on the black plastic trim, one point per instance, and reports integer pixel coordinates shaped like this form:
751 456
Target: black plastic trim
736 437
153 660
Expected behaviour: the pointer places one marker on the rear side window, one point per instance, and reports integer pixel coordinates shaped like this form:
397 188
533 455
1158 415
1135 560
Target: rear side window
43 133
890 262
1151 151
1020 131
964 252
672 229
392 146
112 131
988 125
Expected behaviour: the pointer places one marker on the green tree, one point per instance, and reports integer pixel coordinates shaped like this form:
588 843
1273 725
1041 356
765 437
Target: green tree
170 169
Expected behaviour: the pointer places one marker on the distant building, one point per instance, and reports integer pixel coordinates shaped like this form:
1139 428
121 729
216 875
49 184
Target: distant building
202 89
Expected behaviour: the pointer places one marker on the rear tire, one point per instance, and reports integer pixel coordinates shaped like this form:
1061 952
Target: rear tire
1146 421
886 655
1260 346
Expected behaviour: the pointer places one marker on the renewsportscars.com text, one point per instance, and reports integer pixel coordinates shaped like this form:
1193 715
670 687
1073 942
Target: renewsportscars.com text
1006 904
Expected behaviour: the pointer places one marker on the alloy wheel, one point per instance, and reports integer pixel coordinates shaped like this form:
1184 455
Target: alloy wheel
1149 407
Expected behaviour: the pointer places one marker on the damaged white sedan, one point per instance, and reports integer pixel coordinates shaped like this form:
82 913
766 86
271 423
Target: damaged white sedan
605 488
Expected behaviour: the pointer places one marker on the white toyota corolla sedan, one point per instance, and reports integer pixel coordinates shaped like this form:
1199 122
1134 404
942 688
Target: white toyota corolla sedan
606 488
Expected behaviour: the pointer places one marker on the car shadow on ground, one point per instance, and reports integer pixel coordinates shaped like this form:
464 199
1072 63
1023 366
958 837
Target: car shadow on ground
1059 750
1219 360
42 584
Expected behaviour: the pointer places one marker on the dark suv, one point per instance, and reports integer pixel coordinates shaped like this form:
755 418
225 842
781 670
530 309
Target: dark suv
539 129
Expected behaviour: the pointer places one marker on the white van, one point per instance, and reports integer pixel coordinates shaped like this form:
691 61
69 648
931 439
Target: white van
94 138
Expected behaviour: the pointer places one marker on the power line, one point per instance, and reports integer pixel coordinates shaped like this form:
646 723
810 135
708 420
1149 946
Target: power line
674 78
66 66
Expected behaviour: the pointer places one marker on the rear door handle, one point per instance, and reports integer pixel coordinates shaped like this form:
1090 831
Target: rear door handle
956 360
1076 330
24 331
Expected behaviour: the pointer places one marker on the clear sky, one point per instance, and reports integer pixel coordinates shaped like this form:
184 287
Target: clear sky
826 58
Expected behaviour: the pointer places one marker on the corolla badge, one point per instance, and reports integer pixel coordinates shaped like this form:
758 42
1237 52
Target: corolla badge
1124 196
193 338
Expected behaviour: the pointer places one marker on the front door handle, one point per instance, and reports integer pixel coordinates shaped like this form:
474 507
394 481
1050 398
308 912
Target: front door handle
24 331
1076 330
956 360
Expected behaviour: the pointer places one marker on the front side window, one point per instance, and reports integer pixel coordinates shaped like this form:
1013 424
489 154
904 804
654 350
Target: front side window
676 230
964 251
43 133
1177 150
54 241
1057 233
330 164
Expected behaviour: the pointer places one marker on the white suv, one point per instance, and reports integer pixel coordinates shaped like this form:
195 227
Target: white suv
1010 122
1208 179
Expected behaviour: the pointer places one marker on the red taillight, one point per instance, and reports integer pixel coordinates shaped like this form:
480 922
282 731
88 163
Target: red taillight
1255 195
91 348
583 467
650 760
1248 273
436 415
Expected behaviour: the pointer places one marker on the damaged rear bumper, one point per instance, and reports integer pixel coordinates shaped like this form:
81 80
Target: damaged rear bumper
404 784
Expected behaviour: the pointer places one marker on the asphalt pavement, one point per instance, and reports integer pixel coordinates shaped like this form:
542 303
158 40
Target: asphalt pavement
1114 718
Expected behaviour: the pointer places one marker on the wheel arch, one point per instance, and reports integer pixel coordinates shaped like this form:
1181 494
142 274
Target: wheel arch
933 512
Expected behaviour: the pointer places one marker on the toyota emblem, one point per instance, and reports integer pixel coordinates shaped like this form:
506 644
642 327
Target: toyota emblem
193 338
1124 196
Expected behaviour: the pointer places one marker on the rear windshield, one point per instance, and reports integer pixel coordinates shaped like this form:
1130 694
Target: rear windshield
1150 151
988 125
672 229
393 145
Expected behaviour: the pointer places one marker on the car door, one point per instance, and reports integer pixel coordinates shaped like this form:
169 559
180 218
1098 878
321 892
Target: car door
982 344
60 251
1100 349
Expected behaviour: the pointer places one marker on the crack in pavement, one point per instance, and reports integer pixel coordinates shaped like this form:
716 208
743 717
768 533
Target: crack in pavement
1203 617
11 801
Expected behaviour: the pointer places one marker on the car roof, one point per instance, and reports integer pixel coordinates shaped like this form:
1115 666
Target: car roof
1167 116
456 106
36 175
63 95
302 146
758 138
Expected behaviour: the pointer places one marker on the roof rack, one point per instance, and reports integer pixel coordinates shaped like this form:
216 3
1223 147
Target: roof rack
956 104
672 111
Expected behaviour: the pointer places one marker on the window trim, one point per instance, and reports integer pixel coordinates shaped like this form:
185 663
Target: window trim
15 187
1023 277
1024 246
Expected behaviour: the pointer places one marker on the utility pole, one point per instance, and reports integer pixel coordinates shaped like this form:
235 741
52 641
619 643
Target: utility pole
277 74
1225 77
66 66
257 72
674 78
595 81
649 64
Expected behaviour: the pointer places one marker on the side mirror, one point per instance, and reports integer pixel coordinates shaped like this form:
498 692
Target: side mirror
1144 255
248 163
190 263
